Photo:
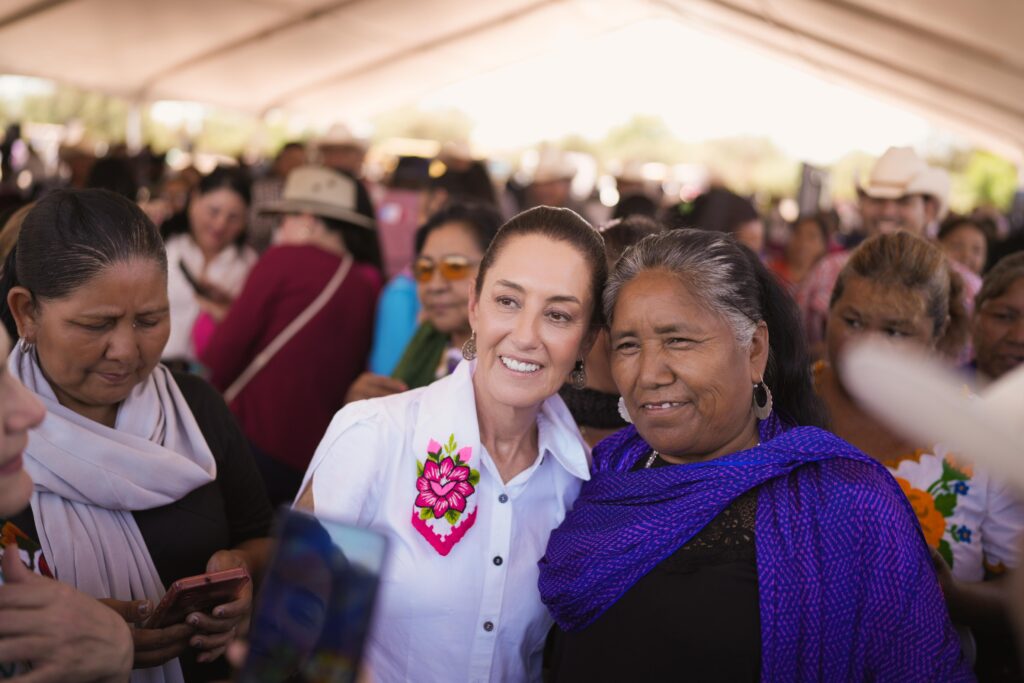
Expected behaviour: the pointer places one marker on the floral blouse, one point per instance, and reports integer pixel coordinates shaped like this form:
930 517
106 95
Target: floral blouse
972 519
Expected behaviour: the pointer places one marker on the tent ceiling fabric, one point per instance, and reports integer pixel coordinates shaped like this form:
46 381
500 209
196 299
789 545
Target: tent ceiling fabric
959 62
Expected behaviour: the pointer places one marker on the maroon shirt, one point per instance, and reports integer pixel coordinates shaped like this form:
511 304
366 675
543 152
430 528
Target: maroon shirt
286 407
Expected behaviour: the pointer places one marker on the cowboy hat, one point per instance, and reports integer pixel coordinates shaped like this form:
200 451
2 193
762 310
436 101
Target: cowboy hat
322 192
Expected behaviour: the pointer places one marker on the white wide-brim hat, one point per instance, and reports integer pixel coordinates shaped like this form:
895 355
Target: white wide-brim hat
340 135
321 191
918 396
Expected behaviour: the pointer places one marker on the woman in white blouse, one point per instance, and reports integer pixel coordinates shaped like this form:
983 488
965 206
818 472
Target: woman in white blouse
470 474
208 241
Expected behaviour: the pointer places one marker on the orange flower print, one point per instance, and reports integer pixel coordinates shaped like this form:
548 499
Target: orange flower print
933 524
9 534
955 462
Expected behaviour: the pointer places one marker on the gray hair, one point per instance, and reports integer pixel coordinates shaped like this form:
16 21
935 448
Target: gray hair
711 263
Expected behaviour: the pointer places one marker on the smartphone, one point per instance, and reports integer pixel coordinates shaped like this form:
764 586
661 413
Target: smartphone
201 289
315 604
197 594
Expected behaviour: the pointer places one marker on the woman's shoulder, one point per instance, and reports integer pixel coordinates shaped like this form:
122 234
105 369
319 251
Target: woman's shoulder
386 418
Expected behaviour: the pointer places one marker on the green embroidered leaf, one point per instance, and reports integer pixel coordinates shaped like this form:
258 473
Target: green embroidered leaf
452 516
946 552
950 473
945 503
419 469
474 477
451 443
426 513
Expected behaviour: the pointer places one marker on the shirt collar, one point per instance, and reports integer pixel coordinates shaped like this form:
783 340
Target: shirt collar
451 410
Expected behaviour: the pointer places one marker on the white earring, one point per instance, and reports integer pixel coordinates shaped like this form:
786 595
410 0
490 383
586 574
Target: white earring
623 412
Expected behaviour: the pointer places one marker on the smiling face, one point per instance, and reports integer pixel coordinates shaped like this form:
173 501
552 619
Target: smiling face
881 216
686 382
870 307
216 218
446 302
20 411
532 321
999 331
97 343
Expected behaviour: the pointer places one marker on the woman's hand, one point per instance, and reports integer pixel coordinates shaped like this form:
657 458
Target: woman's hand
64 634
214 632
153 646
369 385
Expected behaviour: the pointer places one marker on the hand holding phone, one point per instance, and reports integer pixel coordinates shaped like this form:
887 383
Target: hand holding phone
200 593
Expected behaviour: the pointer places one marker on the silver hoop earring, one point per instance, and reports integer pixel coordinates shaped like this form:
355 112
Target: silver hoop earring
25 345
623 411
579 375
762 401
469 348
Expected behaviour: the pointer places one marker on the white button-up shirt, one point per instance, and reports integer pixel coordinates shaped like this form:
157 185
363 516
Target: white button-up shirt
458 602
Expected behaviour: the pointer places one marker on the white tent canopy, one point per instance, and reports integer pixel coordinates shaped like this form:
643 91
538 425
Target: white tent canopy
960 62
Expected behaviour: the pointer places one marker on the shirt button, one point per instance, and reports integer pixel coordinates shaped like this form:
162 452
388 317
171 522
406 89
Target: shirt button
503 498
488 626
497 560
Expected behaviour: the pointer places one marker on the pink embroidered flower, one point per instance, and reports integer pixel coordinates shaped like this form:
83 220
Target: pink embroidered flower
443 487
465 453
433 447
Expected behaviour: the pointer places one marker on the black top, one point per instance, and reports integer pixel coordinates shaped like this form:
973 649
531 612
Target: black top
182 536
694 616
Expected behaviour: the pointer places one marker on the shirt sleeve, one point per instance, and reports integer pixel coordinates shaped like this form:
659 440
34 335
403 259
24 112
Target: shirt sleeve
1002 528
233 344
351 461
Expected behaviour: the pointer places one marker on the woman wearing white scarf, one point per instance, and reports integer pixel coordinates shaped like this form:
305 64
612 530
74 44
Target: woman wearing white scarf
87 288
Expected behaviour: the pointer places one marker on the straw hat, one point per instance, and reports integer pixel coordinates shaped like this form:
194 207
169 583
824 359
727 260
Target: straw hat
321 192
918 396
900 172
340 135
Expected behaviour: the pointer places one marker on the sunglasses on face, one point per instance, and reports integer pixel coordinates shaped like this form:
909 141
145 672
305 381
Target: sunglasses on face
453 267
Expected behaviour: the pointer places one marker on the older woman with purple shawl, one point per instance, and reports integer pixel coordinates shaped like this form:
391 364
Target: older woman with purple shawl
727 536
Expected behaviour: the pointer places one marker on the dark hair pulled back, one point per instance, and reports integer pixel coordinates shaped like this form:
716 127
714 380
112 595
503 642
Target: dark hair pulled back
562 225
69 237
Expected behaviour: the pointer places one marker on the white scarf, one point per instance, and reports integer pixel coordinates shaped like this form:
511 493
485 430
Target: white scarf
89 478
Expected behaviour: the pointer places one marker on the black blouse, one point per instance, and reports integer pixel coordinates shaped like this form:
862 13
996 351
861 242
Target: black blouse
694 616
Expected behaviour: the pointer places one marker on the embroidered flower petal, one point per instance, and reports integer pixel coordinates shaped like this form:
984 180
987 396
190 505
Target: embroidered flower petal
464 488
459 474
440 507
456 501
433 447
446 467
422 484
426 500
431 471
465 453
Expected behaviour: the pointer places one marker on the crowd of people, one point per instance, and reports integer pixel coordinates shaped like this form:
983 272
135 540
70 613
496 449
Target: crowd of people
621 452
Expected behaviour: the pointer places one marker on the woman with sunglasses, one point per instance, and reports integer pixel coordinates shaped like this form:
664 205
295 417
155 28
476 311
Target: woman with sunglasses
449 247
300 331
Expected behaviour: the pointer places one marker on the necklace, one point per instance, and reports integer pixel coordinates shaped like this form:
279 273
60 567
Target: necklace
651 459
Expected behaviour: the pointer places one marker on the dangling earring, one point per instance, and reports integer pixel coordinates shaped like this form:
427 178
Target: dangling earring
623 412
762 401
469 348
579 375
25 345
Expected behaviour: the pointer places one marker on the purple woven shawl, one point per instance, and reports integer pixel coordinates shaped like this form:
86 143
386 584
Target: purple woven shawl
847 590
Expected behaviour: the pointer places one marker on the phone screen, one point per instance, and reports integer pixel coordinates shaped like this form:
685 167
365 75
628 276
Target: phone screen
314 607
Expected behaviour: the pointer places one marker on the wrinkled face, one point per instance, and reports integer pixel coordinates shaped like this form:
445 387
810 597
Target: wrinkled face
217 218
531 320
20 410
97 343
453 254
881 216
868 307
686 382
807 244
966 245
999 332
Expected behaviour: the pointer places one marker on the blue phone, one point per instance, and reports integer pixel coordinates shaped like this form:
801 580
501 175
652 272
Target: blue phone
314 607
